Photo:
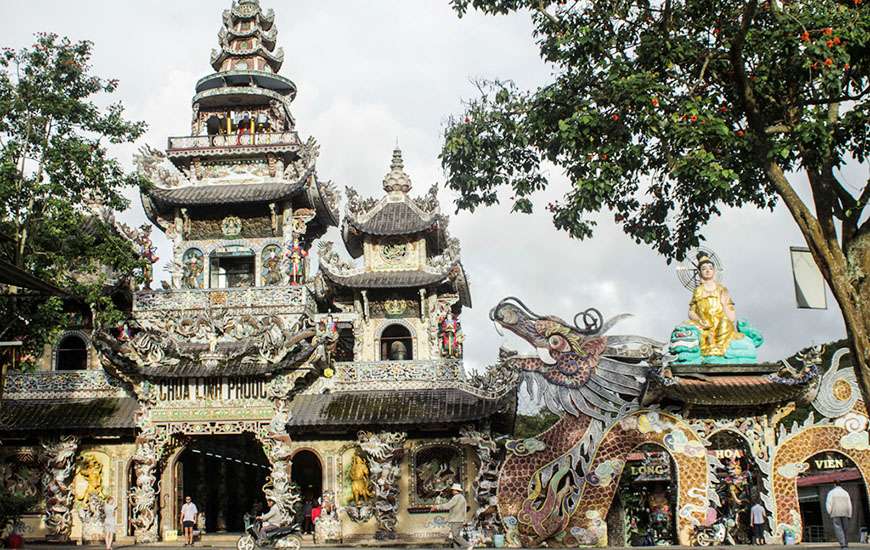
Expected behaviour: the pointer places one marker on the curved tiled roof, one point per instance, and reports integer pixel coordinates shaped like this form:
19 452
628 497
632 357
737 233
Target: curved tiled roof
192 195
394 218
413 407
727 385
386 279
68 414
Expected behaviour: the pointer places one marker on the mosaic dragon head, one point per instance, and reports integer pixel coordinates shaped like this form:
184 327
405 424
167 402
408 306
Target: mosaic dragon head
577 369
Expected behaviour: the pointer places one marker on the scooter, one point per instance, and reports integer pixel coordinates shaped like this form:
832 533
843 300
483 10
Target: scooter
282 537
716 534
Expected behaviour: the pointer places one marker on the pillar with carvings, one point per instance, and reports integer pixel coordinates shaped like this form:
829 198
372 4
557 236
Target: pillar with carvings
384 452
278 487
150 446
57 478
490 457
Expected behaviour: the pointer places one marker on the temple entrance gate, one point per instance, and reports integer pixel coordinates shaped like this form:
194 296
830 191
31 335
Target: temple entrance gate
224 476
641 514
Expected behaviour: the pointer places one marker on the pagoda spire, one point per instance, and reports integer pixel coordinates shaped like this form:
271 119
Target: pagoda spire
396 180
247 40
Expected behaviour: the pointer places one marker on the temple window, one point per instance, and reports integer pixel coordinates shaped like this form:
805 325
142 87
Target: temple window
345 345
435 468
396 343
231 267
72 353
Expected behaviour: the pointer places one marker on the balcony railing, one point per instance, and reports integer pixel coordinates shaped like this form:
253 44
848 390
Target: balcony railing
61 384
271 299
433 370
259 139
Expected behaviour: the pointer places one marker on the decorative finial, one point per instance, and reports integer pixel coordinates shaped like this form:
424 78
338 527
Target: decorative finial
397 181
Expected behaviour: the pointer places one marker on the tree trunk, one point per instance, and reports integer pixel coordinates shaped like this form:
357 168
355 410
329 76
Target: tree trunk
846 272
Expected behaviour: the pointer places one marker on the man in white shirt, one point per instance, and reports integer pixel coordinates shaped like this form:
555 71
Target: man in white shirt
456 508
758 517
188 520
839 507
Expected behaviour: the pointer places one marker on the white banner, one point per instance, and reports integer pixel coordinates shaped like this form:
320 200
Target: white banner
809 285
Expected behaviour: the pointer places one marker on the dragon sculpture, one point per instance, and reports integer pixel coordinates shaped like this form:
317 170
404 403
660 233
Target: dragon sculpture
556 488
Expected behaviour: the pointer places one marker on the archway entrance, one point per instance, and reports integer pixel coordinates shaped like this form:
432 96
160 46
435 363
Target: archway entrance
646 499
736 483
224 475
813 487
307 474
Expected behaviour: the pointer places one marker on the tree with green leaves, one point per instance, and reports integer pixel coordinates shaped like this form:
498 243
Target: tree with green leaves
666 111
55 175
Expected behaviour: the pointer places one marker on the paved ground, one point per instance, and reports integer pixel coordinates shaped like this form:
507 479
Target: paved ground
224 545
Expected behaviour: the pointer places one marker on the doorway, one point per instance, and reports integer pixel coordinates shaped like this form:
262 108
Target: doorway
307 474
224 476
647 497
824 469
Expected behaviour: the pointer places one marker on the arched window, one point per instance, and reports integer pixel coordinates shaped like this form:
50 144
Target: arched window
396 343
72 353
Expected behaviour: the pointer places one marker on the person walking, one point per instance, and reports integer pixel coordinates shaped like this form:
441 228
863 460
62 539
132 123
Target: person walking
109 525
188 519
758 517
456 509
839 507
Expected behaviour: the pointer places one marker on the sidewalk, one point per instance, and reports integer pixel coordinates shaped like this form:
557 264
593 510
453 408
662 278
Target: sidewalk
226 545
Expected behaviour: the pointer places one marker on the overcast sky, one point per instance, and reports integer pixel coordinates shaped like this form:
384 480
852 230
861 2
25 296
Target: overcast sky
372 72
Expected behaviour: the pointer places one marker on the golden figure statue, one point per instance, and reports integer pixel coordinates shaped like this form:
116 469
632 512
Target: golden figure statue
90 470
712 311
359 480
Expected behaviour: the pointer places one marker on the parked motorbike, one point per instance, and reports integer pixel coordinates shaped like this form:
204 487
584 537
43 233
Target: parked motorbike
715 534
283 537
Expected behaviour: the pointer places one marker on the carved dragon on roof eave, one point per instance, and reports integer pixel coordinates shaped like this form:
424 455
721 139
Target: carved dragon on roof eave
125 361
325 198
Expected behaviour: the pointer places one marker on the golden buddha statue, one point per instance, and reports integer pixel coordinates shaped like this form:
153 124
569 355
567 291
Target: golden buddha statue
712 311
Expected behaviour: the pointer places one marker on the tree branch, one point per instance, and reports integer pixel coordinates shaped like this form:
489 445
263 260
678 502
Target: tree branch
543 11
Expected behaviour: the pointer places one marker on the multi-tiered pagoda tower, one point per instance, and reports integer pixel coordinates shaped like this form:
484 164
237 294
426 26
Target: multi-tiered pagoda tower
249 375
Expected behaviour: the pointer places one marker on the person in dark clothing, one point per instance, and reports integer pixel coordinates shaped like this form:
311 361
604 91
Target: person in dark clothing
307 523
213 127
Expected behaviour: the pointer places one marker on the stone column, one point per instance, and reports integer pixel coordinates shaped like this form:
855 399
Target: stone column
221 498
202 475
57 485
